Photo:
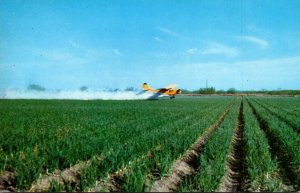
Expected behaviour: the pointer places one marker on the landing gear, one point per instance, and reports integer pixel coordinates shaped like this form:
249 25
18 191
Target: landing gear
172 97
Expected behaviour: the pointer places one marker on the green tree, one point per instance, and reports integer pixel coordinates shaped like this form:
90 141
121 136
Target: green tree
83 88
209 90
36 87
231 91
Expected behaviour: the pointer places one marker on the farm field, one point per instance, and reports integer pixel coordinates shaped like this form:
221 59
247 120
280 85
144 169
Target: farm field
216 143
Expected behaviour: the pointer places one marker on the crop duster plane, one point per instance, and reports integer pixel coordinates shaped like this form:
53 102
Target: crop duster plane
168 91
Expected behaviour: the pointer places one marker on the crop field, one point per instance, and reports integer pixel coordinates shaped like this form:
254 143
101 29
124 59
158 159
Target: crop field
212 143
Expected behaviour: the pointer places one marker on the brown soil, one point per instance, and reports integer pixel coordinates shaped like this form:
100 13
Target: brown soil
69 176
7 181
237 178
114 181
188 164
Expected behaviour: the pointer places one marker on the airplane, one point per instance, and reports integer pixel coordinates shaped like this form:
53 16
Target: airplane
168 91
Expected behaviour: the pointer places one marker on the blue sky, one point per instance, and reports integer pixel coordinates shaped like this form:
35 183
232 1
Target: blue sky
65 44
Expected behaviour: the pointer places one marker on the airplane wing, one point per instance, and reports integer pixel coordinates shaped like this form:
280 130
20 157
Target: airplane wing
162 90
171 86
156 95
141 92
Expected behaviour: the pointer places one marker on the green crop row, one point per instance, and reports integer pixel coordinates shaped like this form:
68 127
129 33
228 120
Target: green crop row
172 149
63 146
289 105
179 137
286 140
143 138
262 169
213 159
48 135
291 119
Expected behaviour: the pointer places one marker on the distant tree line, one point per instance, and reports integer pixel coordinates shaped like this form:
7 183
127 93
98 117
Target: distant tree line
274 92
208 90
212 90
35 87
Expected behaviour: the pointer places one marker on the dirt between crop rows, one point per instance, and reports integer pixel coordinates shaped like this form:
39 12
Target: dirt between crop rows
287 172
44 183
114 181
7 181
188 164
69 176
237 178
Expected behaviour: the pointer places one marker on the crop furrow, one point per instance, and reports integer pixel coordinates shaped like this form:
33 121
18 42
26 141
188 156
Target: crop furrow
62 179
286 170
237 178
148 170
7 181
115 180
188 163
56 176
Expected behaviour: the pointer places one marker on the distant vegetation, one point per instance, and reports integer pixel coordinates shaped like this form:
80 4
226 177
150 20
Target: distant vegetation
35 87
131 88
212 90
208 90
274 92
138 146
83 88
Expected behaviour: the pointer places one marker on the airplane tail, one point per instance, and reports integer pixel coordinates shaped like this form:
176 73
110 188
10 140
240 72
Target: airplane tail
146 87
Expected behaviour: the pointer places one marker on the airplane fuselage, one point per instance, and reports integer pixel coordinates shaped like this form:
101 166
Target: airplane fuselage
162 91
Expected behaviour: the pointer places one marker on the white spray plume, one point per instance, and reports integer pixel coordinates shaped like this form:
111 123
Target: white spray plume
80 95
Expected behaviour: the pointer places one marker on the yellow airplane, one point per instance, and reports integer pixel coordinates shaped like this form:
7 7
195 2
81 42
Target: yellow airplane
168 91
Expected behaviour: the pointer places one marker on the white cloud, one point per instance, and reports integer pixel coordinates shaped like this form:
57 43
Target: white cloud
255 40
74 44
171 32
159 40
75 57
117 52
62 56
268 73
219 49
192 51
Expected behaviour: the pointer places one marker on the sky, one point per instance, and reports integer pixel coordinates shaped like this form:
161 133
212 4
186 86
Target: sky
66 44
